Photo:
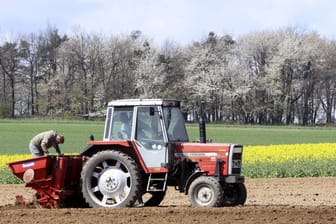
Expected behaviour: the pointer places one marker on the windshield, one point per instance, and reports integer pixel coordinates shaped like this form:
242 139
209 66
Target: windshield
175 124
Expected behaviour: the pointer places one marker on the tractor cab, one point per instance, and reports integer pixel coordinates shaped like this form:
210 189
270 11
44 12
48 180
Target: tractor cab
153 125
150 121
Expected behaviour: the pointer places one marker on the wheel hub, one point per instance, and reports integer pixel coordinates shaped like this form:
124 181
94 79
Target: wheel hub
204 195
112 182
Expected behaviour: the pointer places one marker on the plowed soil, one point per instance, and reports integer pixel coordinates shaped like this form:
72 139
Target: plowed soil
292 200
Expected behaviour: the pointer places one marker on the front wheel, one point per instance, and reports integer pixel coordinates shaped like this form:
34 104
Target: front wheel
205 191
110 179
234 194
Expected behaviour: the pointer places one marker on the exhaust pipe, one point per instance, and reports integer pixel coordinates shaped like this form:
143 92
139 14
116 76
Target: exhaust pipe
202 128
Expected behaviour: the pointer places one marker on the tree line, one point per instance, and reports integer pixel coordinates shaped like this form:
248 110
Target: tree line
286 76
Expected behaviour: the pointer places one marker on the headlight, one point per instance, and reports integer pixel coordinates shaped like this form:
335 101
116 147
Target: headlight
237 150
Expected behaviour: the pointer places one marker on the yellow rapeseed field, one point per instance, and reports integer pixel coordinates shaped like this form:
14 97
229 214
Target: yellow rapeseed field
293 152
4 159
273 161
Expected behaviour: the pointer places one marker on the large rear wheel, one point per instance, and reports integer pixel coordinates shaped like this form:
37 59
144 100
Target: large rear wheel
110 179
205 191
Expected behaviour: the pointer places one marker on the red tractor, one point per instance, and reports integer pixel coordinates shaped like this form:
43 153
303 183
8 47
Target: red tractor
145 149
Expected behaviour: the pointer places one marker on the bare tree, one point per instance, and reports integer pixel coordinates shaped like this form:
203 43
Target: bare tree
206 71
29 50
149 80
327 84
172 60
48 44
10 65
80 62
254 55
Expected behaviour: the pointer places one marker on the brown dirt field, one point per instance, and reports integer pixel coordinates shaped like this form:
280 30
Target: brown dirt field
287 200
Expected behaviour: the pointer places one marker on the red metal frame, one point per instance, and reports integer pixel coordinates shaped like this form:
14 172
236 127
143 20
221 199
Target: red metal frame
55 177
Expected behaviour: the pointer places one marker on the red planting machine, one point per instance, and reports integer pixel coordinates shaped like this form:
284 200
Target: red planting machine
145 149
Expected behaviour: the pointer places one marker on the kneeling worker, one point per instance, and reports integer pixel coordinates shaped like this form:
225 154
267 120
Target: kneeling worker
40 144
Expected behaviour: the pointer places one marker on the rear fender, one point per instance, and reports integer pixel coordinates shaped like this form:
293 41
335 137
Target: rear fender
122 146
96 146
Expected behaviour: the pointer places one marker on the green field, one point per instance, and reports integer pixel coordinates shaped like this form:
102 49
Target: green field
266 135
16 134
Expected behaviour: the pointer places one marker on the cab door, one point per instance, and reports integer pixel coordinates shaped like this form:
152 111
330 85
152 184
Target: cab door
149 136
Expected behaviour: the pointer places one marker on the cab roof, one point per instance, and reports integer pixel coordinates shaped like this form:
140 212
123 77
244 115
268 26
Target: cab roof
144 102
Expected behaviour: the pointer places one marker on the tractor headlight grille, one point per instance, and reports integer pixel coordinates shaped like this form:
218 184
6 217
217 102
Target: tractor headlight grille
235 159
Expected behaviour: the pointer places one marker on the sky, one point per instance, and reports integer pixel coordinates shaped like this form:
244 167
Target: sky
180 21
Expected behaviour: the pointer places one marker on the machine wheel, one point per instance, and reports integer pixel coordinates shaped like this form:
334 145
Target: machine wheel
110 179
155 199
234 194
205 191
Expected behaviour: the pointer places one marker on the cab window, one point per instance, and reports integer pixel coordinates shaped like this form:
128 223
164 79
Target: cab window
175 124
122 123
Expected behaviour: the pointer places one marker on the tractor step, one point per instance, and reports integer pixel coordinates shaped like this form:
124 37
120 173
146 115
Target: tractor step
157 182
